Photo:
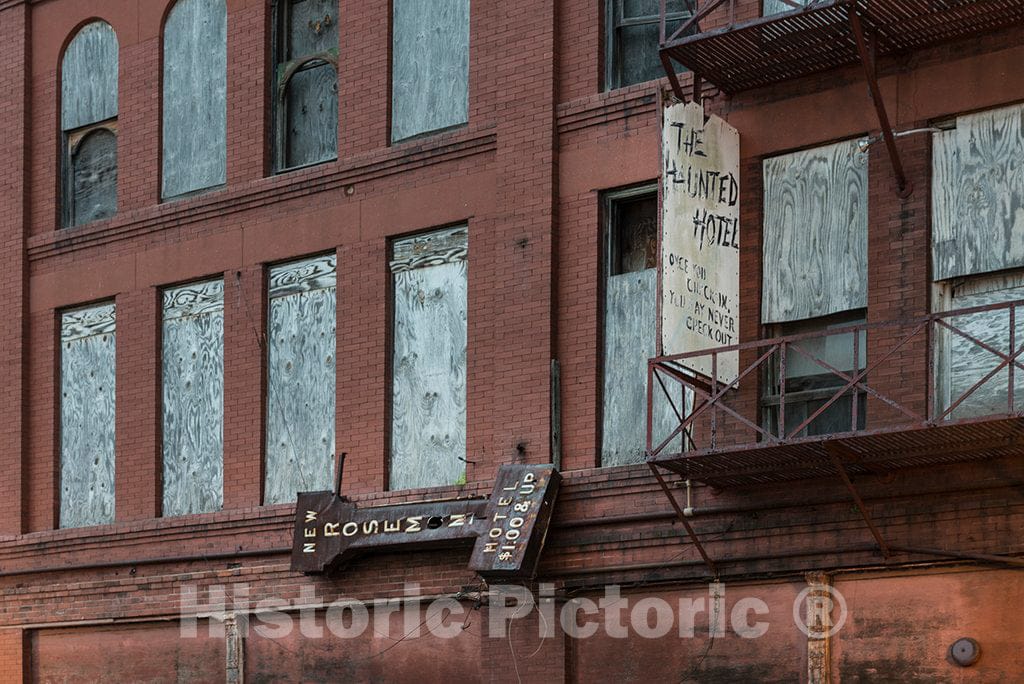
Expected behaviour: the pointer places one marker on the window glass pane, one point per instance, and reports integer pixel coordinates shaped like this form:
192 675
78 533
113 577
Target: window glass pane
639 59
428 406
301 370
193 398
195 97
87 343
777 6
312 27
311 115
430 66
650 8
94 177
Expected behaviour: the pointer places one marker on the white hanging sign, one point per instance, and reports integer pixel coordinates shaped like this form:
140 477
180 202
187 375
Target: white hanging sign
700 242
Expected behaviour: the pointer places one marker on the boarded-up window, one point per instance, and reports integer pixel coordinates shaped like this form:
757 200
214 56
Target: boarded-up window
770 7
89 124
630 328
430 66
631 43
195 97
428 397
306 82
815 233
300 396
193 398
978 194
963 362
87 416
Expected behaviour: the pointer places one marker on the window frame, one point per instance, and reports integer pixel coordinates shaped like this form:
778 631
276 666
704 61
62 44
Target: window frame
613 22
282 72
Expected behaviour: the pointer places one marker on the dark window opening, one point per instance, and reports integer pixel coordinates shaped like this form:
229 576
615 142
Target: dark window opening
91 192
631 50
809 385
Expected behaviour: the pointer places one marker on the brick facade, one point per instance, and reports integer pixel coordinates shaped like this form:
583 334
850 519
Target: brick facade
527 172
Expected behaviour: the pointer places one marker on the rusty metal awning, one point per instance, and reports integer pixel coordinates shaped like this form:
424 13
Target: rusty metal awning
865 453
819 37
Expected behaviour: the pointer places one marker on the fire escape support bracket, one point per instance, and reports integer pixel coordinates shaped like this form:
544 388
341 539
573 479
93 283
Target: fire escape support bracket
903 186
836 452
682 518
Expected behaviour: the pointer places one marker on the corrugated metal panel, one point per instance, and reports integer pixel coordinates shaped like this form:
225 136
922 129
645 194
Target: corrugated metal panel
87 416
815 233
978 194
193 398
964 363
89 77
428 425
430 66
630 338
300 396
195 97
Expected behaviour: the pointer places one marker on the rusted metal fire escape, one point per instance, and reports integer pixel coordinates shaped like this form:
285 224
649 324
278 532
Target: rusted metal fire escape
809 39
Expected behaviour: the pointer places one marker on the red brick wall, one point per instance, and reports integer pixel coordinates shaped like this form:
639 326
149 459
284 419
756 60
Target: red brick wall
526 174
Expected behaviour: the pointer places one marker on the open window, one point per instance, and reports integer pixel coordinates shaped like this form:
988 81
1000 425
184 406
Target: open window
305 83
89 125
631 41
814 269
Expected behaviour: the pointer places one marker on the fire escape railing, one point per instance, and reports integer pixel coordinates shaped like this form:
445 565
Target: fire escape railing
914 358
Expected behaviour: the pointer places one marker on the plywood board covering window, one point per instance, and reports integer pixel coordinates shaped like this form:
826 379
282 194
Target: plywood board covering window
962 362
815 233
301 378
430 66
87 392
978 194
428 396
630 328
194 155
89 123
193 398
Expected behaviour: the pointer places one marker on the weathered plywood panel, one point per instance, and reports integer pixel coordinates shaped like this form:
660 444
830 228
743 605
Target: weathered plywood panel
94 177
430 66
978 194
193 398
300 395
815 233
89 77
311 111
312 27
630 336
963 363
195 97
428 406
700 241
770 7
87 416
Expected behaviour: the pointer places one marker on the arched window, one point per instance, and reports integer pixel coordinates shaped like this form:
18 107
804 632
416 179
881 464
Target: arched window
305 82
88 120
194 97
